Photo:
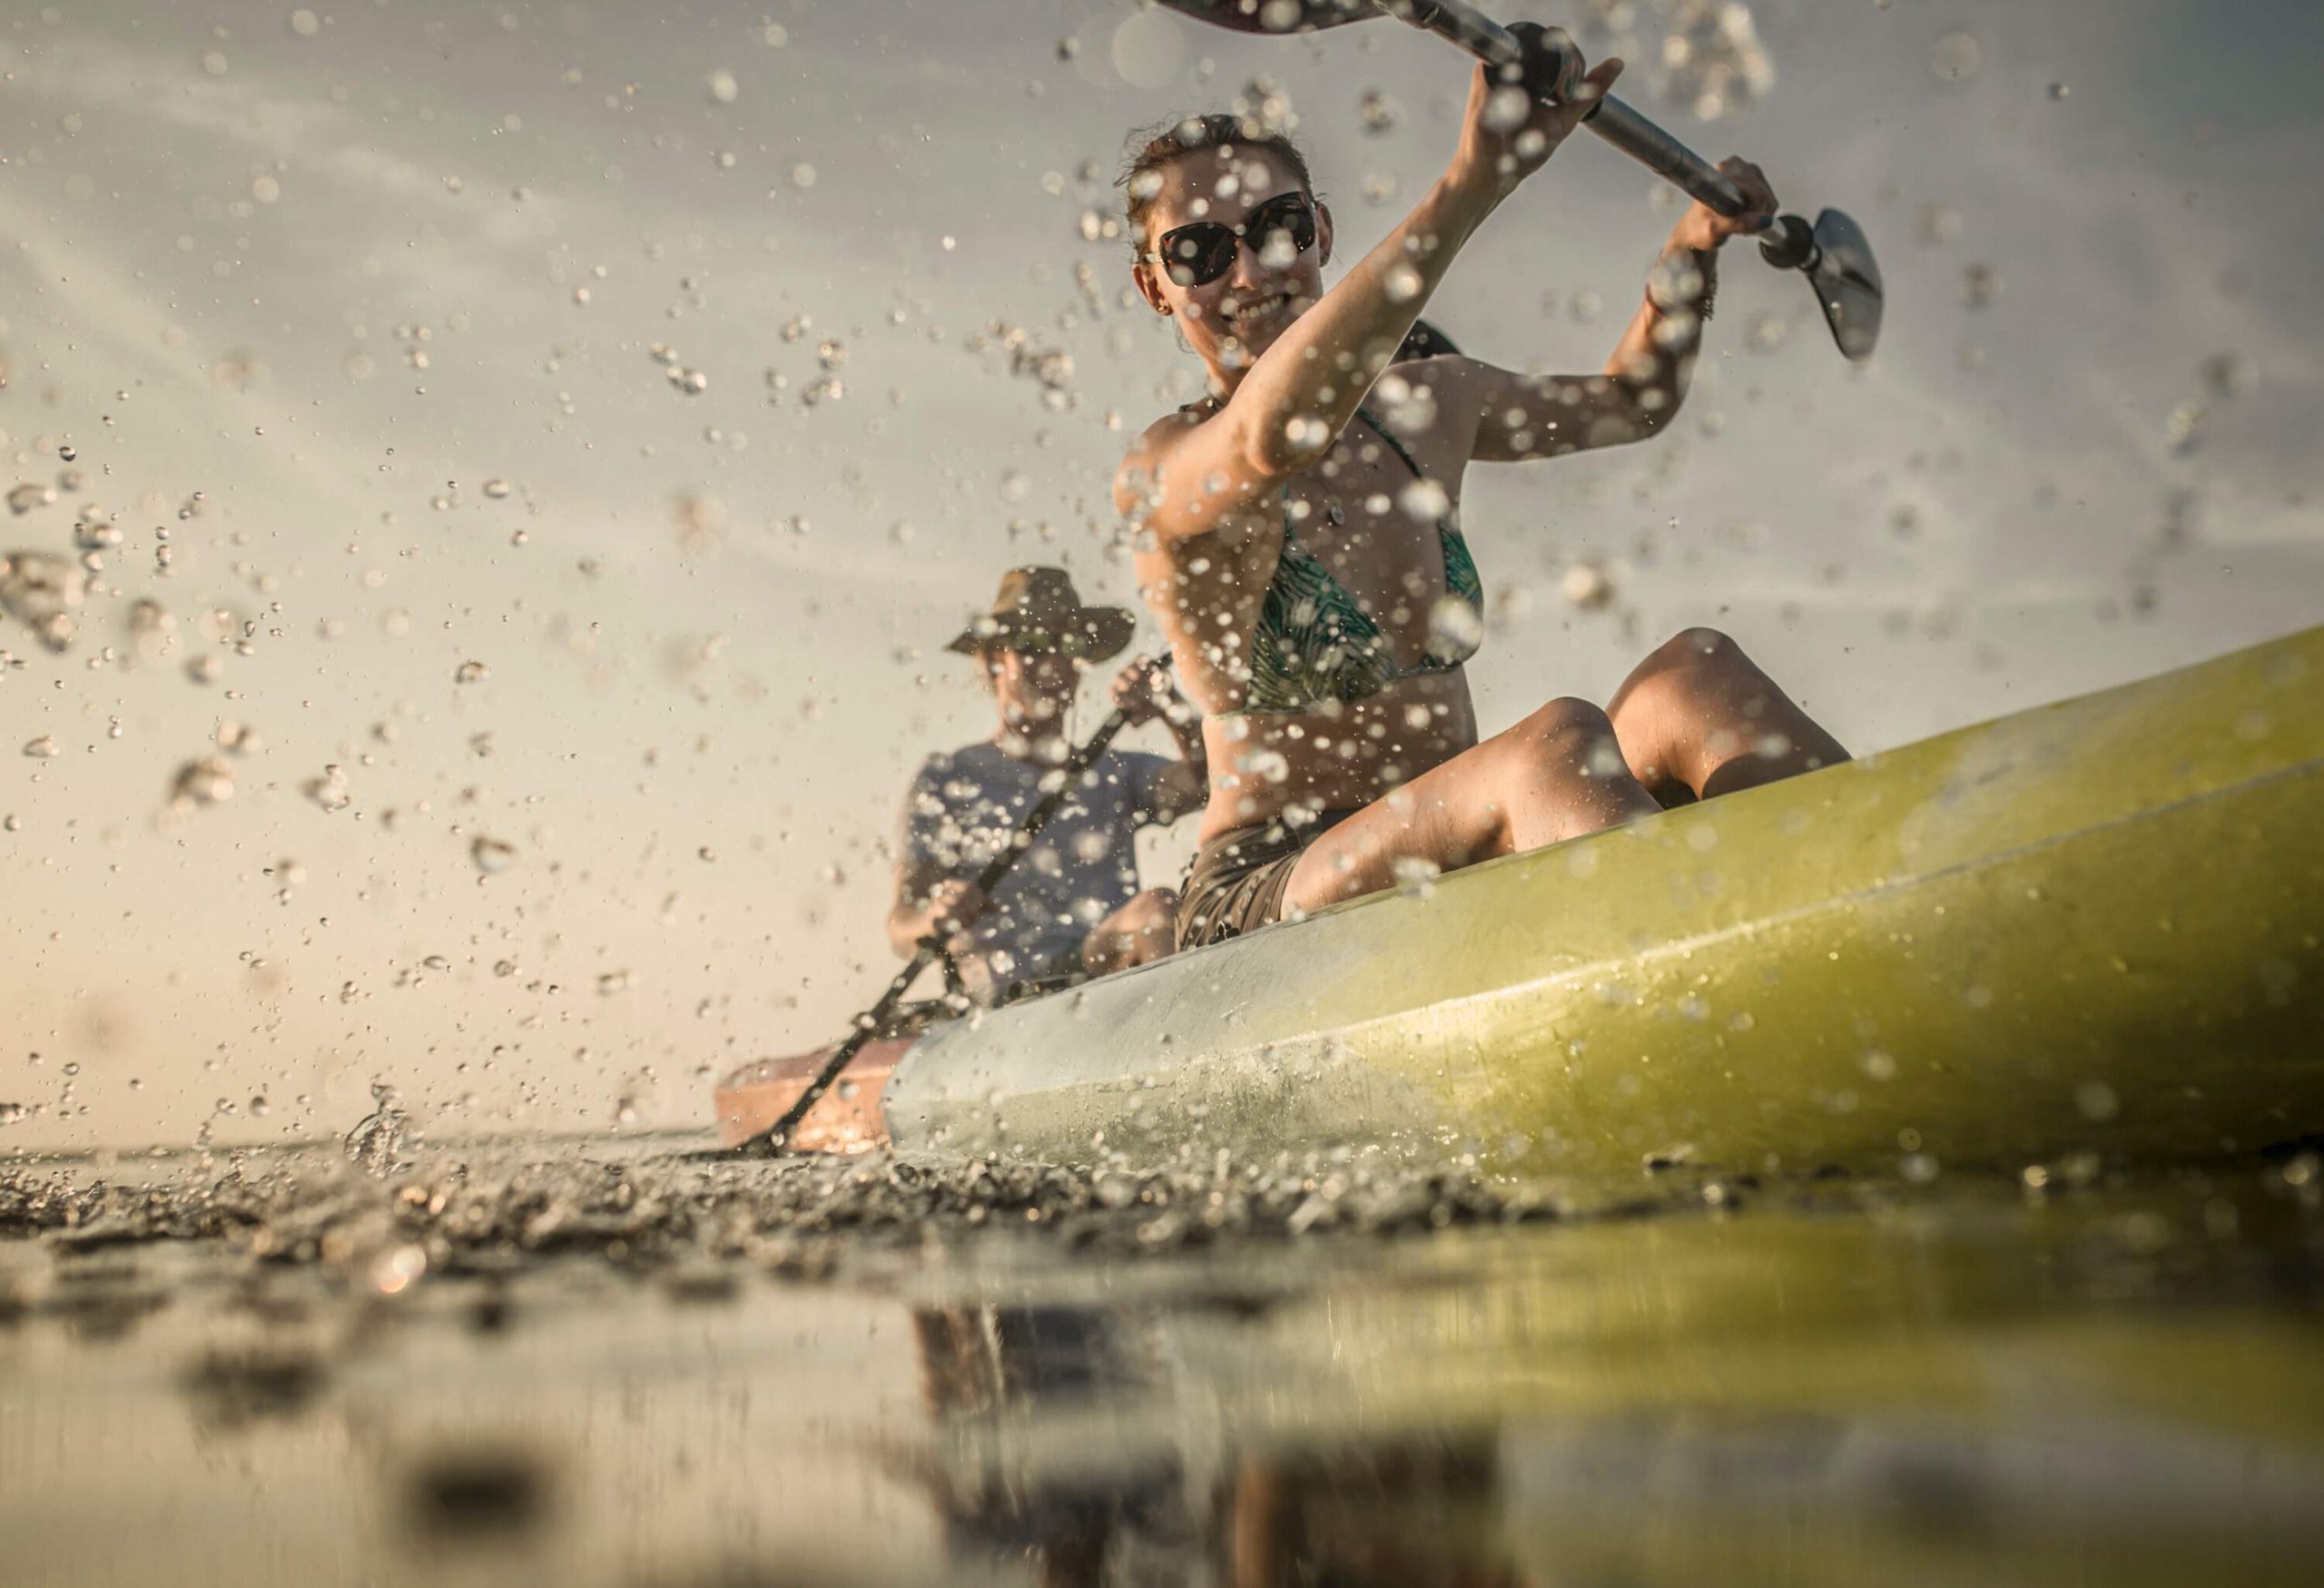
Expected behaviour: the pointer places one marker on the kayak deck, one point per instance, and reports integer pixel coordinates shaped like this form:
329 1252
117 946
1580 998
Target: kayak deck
2096 924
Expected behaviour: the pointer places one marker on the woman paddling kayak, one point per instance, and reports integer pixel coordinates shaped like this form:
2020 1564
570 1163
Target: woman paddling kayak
1296 531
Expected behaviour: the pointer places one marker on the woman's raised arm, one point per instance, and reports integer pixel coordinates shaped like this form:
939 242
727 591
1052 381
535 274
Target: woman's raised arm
1185 476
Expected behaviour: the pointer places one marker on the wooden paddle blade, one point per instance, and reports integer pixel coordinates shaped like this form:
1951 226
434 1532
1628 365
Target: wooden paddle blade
752 1100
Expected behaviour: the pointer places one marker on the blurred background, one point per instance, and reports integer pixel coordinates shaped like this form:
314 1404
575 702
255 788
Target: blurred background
518 466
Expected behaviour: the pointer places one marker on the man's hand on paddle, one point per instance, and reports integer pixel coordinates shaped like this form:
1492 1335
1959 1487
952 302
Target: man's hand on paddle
929 904
1143 692
952 903
1704 229
1509 131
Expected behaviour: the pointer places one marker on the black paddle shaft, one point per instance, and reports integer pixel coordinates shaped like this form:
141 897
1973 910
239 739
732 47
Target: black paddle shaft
1528 48
775 1136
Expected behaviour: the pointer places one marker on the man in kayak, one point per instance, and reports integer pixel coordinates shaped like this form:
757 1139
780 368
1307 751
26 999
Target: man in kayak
1070 904
1298 538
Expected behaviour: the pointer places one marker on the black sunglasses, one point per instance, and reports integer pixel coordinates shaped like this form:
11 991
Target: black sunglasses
1198 253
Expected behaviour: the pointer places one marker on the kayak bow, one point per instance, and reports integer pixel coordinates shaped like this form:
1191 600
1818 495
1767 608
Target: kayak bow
2092 925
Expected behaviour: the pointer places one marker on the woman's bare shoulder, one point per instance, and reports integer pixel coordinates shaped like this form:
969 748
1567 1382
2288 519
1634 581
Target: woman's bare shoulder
1134 480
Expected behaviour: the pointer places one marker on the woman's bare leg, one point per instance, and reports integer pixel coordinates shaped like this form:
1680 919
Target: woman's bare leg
1697 718
1555 776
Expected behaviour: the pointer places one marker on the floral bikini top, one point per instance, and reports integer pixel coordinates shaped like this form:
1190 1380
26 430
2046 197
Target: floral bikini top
1313 644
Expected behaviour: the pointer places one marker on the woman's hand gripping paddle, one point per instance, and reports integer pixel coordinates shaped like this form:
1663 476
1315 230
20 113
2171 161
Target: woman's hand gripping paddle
1833 252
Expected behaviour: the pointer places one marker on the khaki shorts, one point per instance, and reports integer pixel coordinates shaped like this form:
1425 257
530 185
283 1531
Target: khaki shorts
1237 880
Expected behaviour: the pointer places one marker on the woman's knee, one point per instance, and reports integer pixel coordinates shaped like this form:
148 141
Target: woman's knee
1697 644
1568 715
1693 667
1695 654
1571 732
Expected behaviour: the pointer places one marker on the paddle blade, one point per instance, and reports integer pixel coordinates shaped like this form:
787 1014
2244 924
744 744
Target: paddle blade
1847 284
1276 16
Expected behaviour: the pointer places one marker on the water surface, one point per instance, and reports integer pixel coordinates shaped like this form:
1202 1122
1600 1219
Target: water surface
498 1363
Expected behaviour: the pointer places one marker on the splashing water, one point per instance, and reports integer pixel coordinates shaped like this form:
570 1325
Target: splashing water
42 591
376 1144
206 780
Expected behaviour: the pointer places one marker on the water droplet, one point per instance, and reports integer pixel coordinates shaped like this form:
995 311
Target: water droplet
700 519
724 89
398 1268
206 780
2228 375
42 748
1415 876
1264 765
1957 57
42 591
1586 588
469 673
305 24
491 855
2184 430
329 790
1455 629
613 981
497 490
2096 1100
376 1140
1424 499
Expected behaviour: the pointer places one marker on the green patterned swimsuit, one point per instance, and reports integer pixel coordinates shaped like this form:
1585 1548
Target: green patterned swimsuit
1313 644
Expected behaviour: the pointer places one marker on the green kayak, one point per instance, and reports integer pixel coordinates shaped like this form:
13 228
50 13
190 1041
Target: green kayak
2098 925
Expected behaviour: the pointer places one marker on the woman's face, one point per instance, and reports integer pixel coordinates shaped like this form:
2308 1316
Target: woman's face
1232 320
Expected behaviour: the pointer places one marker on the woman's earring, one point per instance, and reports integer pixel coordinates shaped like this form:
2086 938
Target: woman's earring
1163 310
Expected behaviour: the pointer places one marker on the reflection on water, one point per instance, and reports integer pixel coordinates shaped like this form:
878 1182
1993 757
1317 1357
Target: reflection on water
328 1381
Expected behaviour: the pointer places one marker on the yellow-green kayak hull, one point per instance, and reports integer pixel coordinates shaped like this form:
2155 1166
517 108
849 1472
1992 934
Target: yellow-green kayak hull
2097 925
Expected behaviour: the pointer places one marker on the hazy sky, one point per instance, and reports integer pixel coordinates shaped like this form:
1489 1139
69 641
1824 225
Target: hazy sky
410 294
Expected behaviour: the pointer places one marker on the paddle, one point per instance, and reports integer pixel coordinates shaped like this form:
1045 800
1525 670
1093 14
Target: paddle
1833 252
775 1136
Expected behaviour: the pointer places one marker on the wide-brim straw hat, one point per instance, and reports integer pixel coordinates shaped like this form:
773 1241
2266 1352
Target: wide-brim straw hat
1037 610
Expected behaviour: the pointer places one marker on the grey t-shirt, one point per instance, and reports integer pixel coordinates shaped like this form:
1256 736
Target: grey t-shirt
1080 868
